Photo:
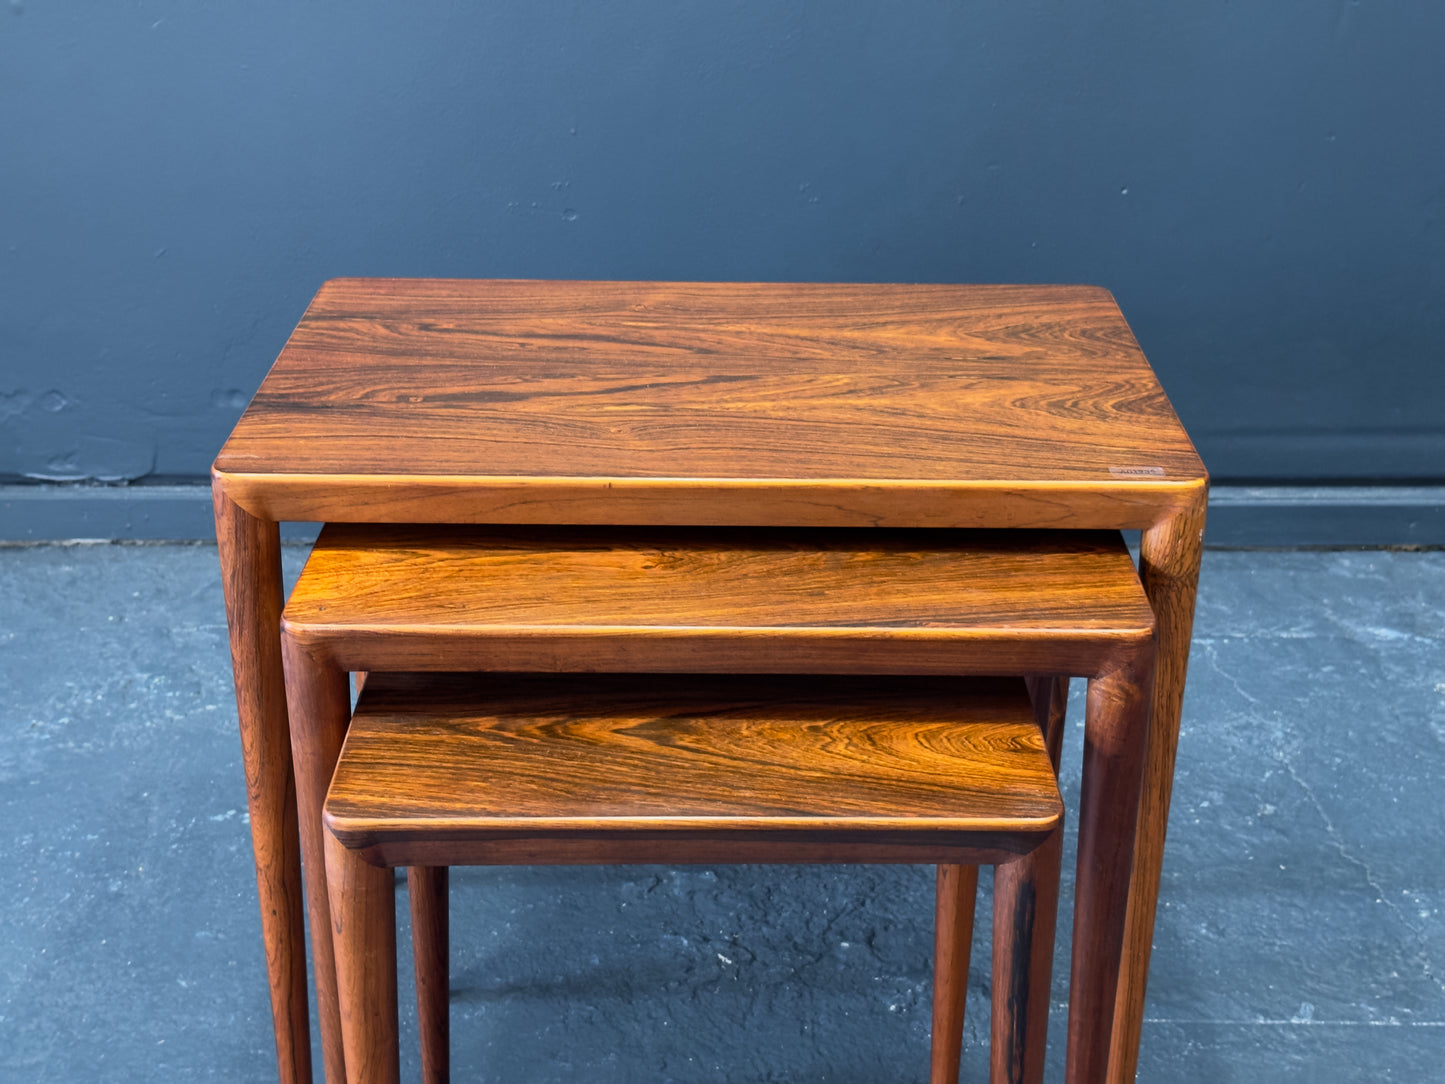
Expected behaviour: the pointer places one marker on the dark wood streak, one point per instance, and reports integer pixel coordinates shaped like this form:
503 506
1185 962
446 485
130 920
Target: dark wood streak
1025 912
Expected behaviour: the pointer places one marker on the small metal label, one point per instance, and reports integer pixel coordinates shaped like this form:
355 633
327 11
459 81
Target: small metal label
1137 472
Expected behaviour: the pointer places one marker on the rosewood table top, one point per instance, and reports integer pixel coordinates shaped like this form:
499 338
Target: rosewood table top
685 403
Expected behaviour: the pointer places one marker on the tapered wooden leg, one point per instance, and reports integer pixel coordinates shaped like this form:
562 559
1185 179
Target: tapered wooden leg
1169 567
1050 698
1025 916
319 697
1115 726
427 892
952 941
250 552
363 928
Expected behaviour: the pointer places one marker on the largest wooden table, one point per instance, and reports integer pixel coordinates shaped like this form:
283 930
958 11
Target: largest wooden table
453 401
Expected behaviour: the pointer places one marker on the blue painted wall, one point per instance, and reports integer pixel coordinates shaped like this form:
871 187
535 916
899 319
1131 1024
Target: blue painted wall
1260 184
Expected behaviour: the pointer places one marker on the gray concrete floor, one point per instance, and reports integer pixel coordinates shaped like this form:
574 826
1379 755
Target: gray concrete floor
1300 936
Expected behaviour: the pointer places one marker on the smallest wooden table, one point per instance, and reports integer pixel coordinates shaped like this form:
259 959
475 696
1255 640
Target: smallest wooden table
712 404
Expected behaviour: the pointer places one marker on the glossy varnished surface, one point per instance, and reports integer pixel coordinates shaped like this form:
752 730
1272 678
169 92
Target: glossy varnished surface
976 407
612 402
380 577
462 754
648 599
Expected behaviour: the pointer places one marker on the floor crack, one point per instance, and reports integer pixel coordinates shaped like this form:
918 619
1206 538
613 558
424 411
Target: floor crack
1212 654
1337 840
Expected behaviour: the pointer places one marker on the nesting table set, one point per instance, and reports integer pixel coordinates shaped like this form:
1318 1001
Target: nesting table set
891 424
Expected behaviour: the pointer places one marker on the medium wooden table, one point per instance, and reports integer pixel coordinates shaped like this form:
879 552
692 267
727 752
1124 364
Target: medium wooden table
451 401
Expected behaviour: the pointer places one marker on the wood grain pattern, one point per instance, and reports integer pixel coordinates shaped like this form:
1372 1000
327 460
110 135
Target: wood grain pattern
363 929
690 755
319 707
431 598
1169 562
492 401
457 597
1015 459
250 553
437 764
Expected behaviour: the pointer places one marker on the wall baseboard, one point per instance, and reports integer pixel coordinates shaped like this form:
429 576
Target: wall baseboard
1238 515
1326 516
175 513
